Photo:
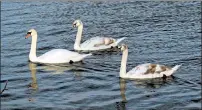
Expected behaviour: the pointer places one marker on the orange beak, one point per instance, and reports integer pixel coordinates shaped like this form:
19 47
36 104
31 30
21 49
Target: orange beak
28 35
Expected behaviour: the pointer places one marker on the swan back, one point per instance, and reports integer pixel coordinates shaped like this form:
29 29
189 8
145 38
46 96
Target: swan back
151 71
61 56
90 44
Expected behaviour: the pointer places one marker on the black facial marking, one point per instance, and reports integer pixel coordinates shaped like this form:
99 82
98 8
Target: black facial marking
29 32
74 25
71 62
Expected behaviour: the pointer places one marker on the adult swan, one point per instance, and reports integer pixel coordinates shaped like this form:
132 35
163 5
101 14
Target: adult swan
95 43
144 71
53 56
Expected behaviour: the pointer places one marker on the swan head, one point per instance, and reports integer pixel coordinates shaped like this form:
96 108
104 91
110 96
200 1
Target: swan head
77 23
124 47
31 32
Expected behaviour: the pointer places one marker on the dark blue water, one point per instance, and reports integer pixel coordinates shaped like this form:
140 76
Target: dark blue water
157 32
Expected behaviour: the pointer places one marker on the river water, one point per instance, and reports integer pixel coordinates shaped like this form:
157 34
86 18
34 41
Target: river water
167 33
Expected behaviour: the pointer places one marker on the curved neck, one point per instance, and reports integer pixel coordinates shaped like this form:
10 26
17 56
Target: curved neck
123 63
78 38
32 54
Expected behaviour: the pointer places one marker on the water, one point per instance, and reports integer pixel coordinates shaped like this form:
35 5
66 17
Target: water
158 32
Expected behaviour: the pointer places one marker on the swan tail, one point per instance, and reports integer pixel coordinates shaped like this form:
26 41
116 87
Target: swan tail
86 55
174 69
119 40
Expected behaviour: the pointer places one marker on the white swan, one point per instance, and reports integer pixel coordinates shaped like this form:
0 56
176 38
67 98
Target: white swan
53 56
144 71
95 43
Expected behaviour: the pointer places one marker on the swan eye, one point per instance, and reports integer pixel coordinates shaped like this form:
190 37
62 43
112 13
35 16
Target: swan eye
29 32
74 25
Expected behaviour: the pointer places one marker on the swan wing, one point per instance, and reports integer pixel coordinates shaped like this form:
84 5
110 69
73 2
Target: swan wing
92 41
60 56
90 44
151 71
139 70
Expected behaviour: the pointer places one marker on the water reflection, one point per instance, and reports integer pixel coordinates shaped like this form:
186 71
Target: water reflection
33 85
149 83
122 104
152 83
32 67
60 68
54 69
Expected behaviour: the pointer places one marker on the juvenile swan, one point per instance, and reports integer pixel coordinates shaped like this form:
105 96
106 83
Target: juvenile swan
53 56
95 43
144 71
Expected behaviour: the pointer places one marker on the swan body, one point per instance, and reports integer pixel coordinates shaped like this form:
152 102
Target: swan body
95 43
53 56
144 71
92 42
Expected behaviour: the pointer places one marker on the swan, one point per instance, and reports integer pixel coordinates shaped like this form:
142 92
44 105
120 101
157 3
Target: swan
95 43
53 56
144 71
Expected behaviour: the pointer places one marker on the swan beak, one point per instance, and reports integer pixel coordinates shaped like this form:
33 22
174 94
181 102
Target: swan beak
28 35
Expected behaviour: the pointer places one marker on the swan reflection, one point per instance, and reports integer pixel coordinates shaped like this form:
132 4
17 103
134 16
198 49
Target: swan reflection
122 104
60 68
32 67
150 84
54 69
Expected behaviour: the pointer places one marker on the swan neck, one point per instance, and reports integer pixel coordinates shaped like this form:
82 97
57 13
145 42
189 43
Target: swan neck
123 63
78 38
32 54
